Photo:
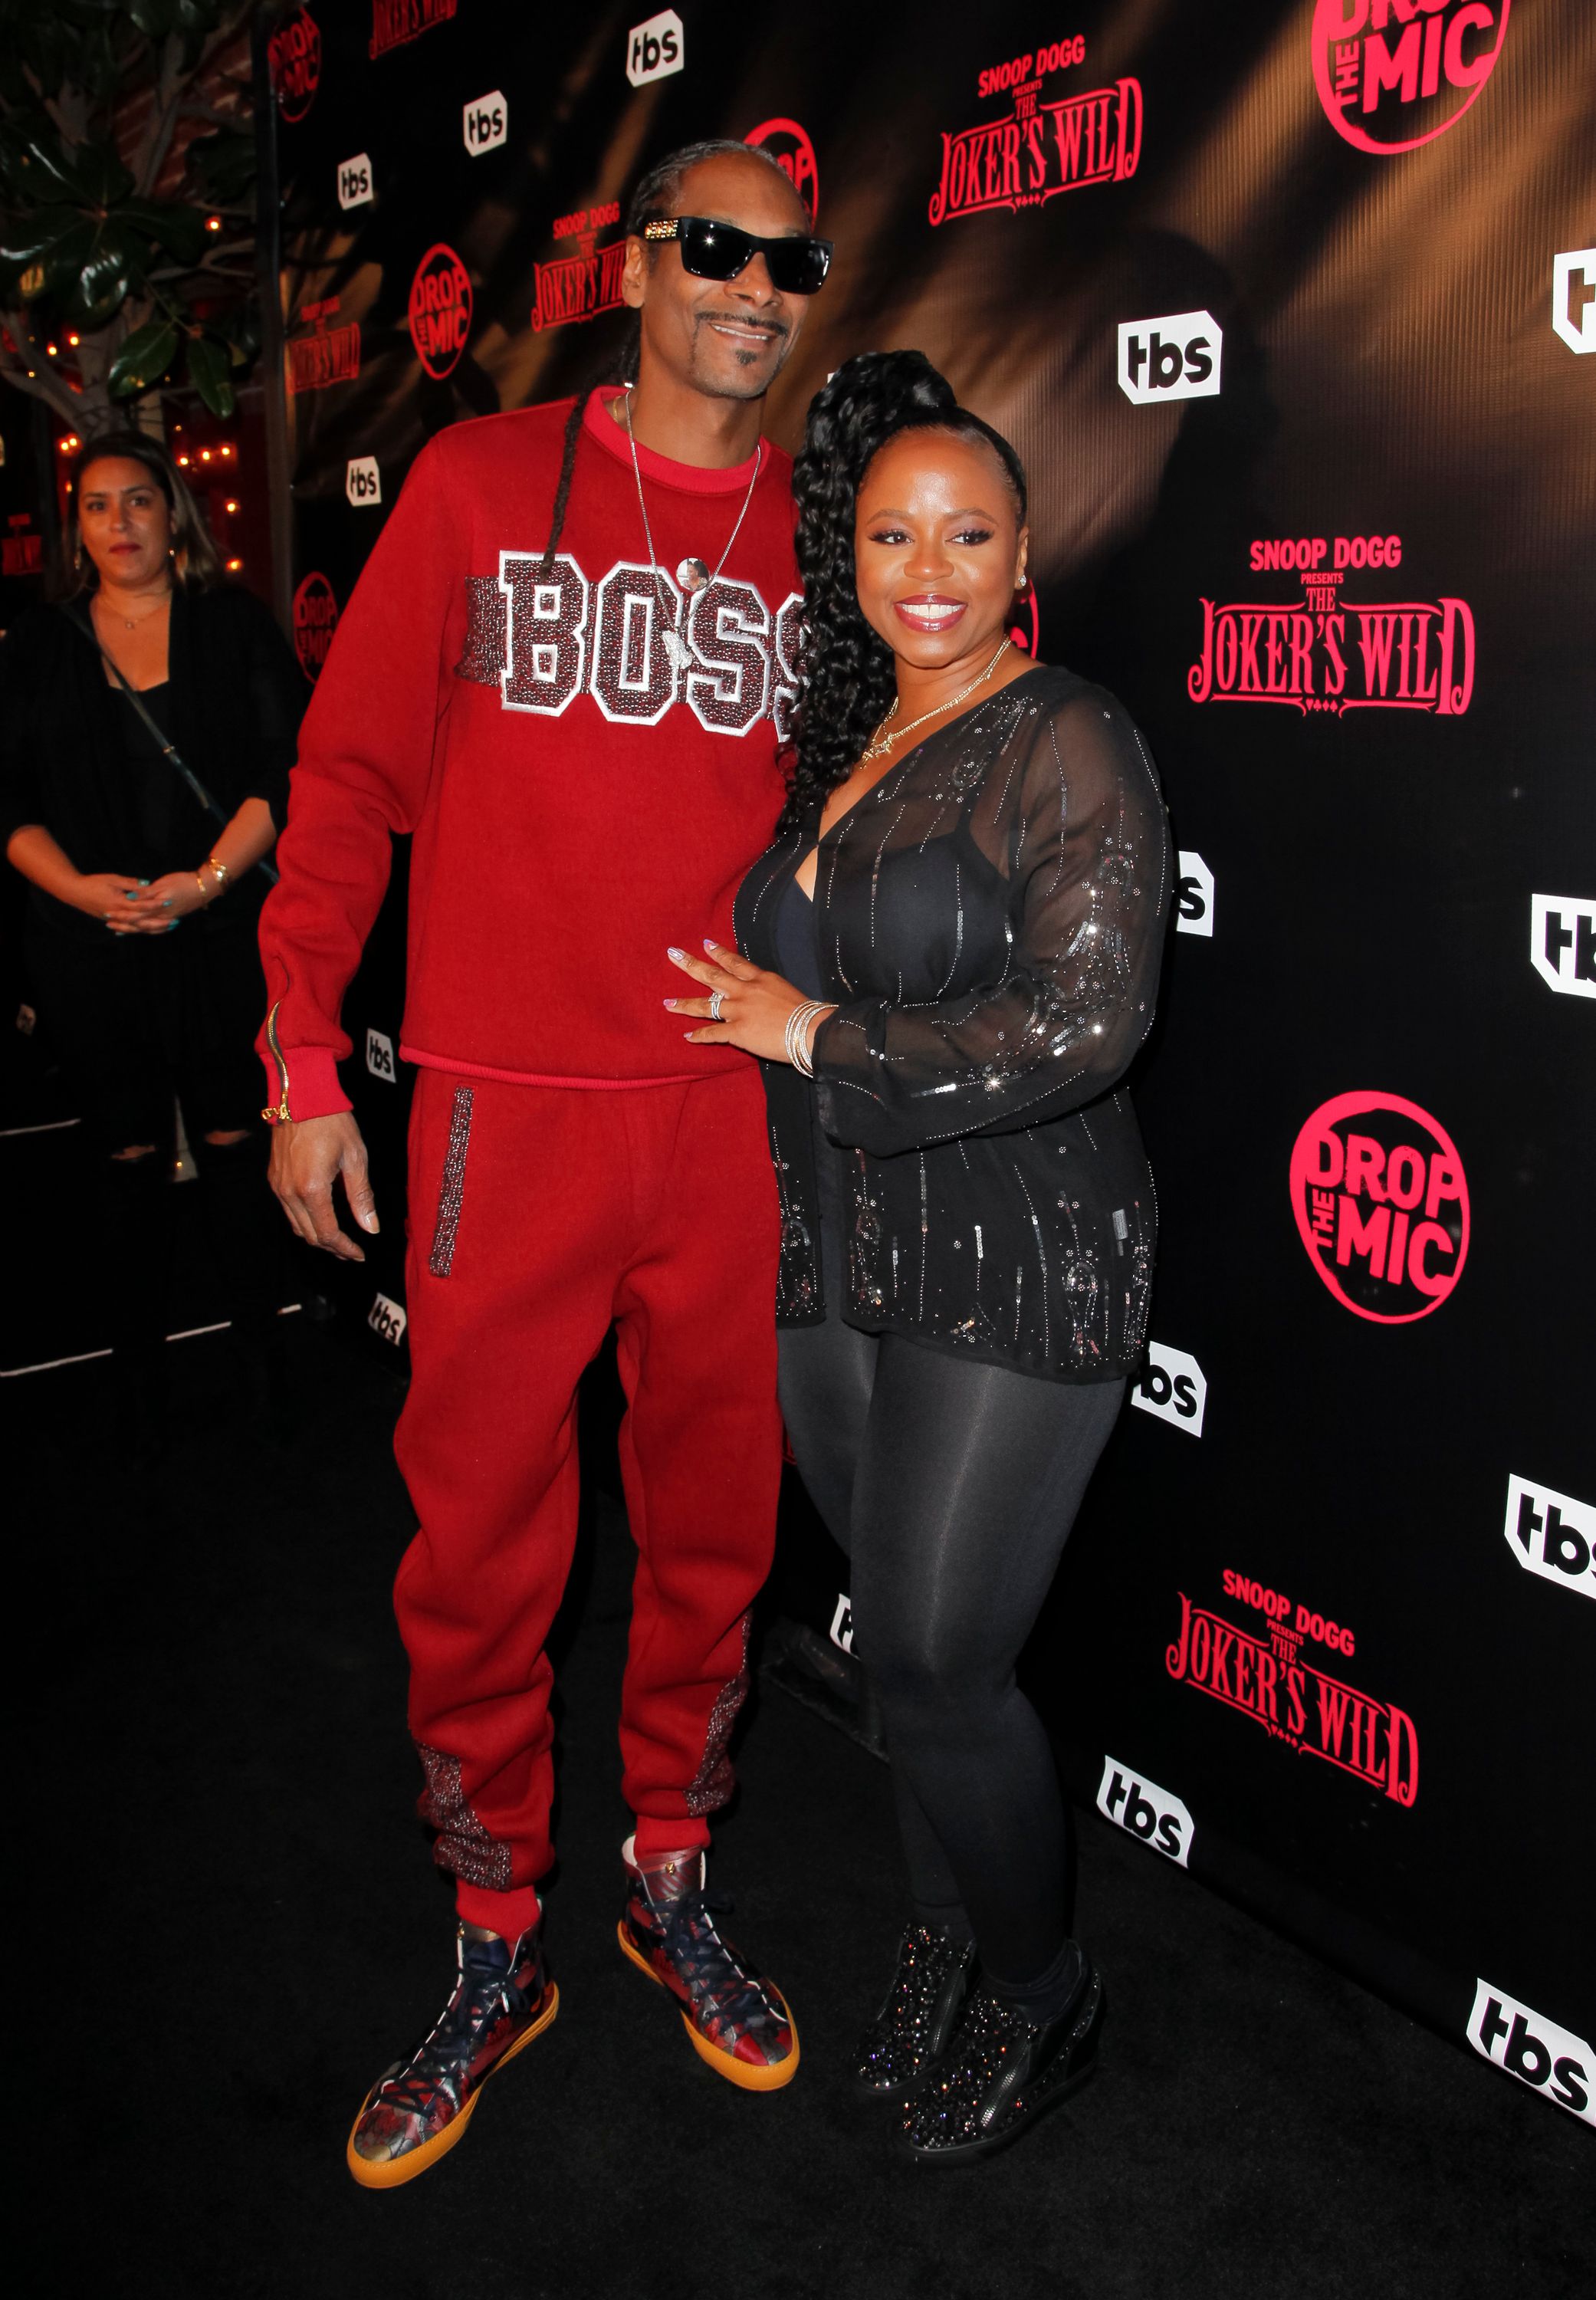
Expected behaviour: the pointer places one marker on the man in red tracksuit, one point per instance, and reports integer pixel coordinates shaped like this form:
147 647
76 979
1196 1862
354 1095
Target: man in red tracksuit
567 670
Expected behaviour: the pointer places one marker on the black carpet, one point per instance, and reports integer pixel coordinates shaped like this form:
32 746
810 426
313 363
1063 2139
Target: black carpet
232 1925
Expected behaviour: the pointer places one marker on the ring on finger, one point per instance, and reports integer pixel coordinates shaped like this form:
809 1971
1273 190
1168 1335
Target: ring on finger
717 1004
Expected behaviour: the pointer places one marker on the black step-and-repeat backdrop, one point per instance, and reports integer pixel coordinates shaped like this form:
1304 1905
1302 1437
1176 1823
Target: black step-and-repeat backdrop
1290 309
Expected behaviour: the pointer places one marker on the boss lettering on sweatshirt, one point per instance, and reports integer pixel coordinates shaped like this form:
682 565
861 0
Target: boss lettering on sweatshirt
633 641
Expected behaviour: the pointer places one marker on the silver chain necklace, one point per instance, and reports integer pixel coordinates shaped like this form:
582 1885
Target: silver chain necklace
692 574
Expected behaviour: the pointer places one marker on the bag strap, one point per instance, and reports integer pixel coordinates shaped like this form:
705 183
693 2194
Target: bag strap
168 748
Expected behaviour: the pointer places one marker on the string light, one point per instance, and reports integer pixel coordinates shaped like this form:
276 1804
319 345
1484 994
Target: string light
234 566
213 223
183 461
73 341
50 351
230 505
204 454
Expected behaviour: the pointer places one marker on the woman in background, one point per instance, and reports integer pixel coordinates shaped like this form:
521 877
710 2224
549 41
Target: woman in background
141 911
948 959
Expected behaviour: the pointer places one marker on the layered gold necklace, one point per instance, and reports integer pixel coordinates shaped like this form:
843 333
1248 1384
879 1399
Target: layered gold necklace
881 742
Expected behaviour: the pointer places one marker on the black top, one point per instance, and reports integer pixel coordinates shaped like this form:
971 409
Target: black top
76 757
989 920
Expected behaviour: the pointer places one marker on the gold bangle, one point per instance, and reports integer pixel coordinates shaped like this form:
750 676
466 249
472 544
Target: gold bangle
205 892
222 869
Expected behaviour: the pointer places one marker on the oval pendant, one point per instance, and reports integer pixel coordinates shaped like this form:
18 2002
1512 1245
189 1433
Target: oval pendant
693 575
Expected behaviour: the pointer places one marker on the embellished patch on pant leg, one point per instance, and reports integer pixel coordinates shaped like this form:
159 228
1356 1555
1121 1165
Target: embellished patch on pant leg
465 1847
450 1189
713 1783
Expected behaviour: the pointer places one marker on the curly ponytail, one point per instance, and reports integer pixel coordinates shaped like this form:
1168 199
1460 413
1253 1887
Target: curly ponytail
847 679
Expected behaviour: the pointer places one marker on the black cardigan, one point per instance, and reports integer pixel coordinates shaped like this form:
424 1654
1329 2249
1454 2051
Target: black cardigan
990 922
237 696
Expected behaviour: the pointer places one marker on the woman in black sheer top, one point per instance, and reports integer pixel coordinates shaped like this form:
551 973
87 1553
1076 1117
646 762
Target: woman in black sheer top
956 932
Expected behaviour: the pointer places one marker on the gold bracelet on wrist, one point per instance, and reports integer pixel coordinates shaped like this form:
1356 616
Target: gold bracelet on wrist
222 869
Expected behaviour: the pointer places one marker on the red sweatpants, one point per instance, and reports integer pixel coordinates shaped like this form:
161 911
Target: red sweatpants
539 1215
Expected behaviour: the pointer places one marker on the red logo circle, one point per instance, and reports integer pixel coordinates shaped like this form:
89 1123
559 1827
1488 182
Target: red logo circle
1390 84
1025 623
440 309
315 620
787 142
293 58
1382 1205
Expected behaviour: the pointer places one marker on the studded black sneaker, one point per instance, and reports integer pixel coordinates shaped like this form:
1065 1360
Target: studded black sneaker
912 2030
1002 2072
420 2107
736 2021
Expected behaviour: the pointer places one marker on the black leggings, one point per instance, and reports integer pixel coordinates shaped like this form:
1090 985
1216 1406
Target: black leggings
953 1486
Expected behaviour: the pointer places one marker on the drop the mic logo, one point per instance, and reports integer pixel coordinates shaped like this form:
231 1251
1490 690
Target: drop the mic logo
1381 1202
440 309
788 143
294 60
1393 74
315 620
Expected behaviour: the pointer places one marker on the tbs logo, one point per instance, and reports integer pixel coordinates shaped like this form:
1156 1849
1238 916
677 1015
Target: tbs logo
355 187
1552 1535
842 1625
1172 1385
380 1055
1533 2049
486 123
656 48
362 481
1563 939
1574 298
1194 897
1174 358
386 1320
1147 1811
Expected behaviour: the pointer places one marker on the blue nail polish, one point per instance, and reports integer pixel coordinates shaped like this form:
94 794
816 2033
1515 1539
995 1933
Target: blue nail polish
171 925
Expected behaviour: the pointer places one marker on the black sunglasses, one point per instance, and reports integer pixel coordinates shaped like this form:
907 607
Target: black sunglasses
720 250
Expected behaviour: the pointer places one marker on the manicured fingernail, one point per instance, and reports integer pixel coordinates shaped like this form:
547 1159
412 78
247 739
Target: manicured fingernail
166 902
677 955
144 882
710 946
171 925
670 1002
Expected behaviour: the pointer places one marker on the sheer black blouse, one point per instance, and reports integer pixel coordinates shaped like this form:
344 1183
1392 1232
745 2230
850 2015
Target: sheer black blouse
989 920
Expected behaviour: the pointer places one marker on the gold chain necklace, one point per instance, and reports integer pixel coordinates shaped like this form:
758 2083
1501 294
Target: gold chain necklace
133 621
881 743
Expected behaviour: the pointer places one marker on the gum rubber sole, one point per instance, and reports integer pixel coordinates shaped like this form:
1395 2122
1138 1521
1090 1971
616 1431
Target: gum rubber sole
743 2074
394 2171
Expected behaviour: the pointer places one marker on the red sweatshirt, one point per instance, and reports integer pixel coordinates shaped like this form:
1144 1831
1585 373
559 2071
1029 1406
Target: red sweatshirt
589 764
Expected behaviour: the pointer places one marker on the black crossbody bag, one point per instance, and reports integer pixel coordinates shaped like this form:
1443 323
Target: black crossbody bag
168 749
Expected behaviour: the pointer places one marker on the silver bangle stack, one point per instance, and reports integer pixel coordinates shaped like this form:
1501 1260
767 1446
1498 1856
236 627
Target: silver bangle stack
796 1039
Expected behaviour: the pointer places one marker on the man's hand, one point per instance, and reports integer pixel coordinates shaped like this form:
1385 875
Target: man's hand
304 1160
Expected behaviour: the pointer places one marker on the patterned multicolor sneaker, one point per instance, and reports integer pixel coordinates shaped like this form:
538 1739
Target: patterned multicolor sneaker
913 2029
417 2112
736 2020
1002 2071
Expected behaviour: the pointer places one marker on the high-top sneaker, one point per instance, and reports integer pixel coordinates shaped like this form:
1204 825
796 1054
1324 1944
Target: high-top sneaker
1000 2072
419 2108
911 2031
735 2019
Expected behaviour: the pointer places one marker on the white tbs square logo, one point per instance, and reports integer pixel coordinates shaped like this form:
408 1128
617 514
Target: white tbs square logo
655 48
1176 357
1172 1385
380 1055
386 1320
354 181
1552 1535
486 123
1551 2060
1194 897
1574 298
1563 943
1131 1801
362 481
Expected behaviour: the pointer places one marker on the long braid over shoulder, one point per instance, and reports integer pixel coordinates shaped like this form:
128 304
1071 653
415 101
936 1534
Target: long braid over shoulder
847 679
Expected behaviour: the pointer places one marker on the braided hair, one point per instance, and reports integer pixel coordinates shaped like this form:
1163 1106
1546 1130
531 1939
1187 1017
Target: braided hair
847 681
653 196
